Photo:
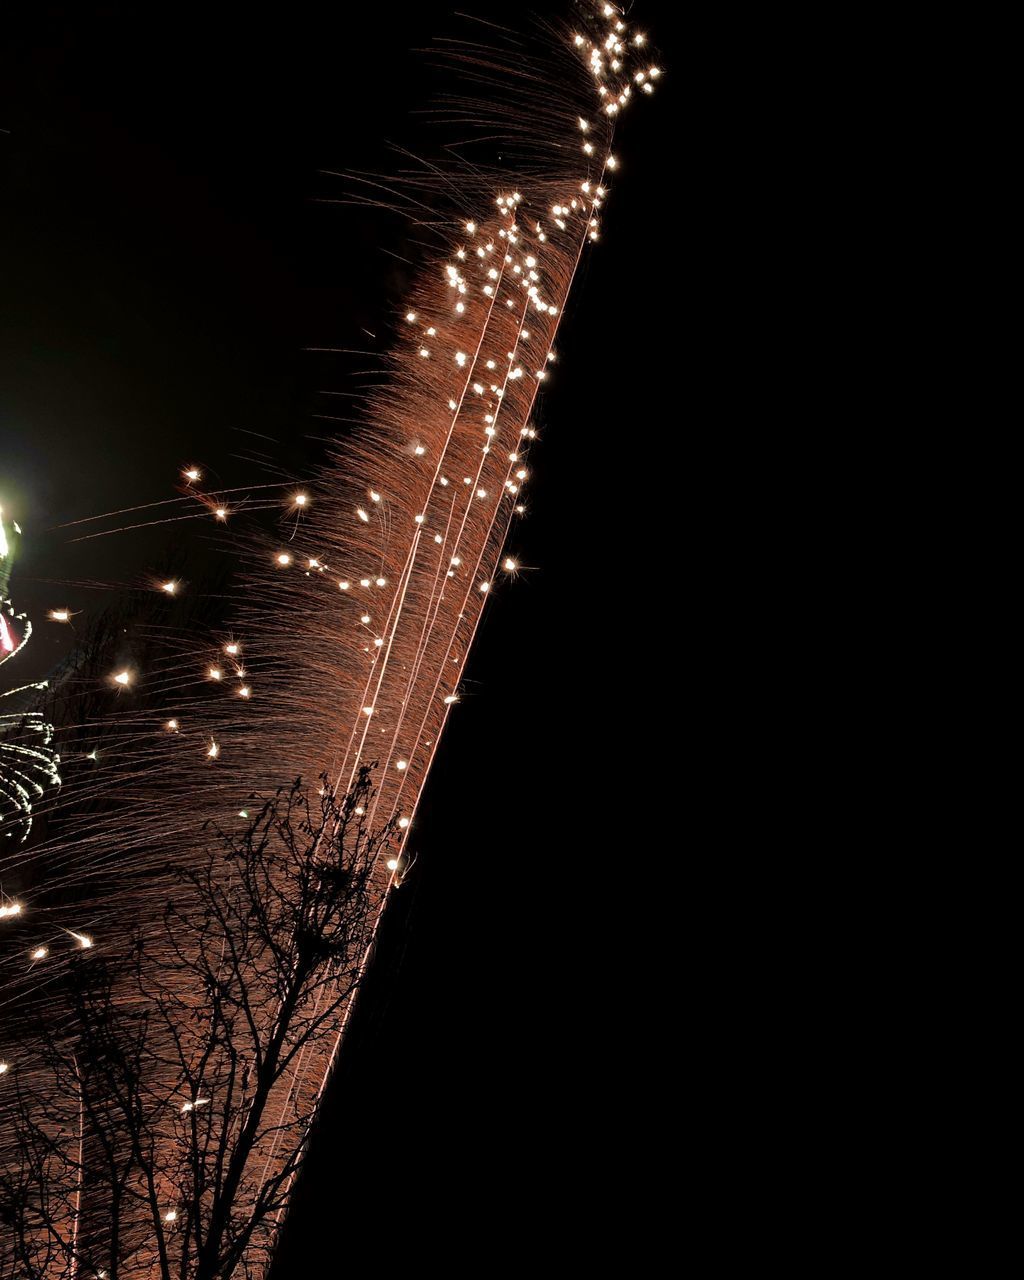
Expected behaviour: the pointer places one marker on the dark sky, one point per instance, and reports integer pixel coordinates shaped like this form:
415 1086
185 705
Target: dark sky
165 263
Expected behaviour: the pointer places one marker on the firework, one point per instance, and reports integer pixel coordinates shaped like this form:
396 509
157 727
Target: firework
29 763
351 632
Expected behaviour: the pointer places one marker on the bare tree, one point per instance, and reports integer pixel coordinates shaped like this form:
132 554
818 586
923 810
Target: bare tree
158 1131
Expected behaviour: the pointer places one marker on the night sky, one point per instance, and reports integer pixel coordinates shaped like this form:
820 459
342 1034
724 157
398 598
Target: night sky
168 255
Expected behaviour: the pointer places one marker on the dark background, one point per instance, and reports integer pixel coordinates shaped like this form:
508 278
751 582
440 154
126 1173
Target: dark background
515 1067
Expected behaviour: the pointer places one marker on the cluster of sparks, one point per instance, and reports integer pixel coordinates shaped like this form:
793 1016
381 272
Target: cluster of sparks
29 763
357 627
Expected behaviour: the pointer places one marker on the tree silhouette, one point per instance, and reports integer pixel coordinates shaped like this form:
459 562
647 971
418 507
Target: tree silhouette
159 1129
